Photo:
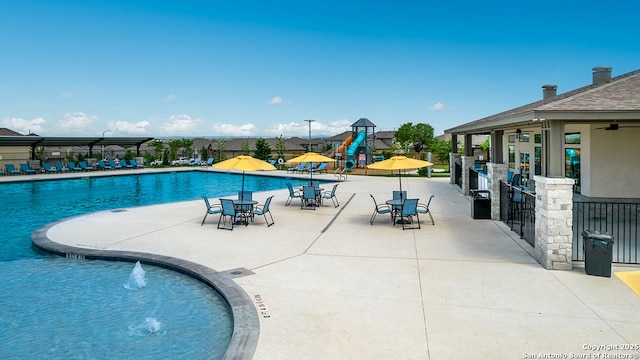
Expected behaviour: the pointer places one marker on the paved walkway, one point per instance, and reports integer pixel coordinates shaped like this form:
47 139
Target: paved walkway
335 287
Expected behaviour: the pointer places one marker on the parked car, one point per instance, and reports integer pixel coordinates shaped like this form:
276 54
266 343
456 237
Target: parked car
156 162
181 161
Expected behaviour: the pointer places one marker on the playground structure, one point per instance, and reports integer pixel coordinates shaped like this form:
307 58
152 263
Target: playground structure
361 139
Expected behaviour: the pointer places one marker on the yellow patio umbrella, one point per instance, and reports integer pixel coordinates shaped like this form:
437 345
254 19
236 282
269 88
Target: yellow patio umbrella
244 163
399 163
310 157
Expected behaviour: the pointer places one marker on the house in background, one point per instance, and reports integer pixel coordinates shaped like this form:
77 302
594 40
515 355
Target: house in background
570 149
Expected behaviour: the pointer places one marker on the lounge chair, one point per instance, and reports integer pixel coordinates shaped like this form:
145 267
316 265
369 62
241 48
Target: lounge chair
59 166
298 168
47 168
84 166
424 208
292 194
228 210
135 164
331 195
321 168
113 164
380 209
72 166
207 163
407 212
11 170
264 210
308 198
211 209
124 164
26 169
195 162
103 166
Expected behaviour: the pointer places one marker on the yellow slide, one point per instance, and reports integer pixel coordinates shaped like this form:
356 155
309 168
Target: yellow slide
345 145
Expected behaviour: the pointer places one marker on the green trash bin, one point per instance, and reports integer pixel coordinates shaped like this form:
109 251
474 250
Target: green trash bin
598 253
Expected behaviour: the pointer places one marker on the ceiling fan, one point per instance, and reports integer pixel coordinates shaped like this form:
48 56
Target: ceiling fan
615 126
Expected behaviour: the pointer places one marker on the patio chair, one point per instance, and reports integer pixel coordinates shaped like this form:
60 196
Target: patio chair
195 162
47 168
113 164
26 169
380 209
135 164
228 210
308 198
399 195
72 166
11 170
211 209
84 166
331 195
103 166
300 168
207 163
264 210
424 208
124 164
292 194
59 166
321 168
407 212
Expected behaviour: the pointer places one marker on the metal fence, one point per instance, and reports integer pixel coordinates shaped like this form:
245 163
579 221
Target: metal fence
518 211
617 219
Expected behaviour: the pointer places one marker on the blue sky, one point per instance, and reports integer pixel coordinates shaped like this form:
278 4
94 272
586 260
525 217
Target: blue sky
260 68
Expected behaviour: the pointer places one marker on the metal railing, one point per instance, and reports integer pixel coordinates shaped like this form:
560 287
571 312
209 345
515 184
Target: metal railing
617 219
518 211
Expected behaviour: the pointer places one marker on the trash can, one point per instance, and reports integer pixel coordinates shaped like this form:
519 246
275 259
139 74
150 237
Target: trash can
481 204
598 253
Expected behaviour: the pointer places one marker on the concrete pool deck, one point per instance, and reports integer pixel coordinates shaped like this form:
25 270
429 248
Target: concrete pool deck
328 285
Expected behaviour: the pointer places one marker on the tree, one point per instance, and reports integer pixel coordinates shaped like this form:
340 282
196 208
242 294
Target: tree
281 148
486 144
204 154
221 150
418 135
174 145
441 148
158 147
263 150
245 149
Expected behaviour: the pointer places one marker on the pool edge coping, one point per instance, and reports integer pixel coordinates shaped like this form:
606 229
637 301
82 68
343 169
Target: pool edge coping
246 325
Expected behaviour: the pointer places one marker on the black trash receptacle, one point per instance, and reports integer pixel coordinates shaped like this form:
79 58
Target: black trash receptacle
481 204
598 253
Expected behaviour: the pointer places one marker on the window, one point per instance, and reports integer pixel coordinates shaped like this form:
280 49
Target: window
537 138
512 156
523 138
512 139
572 138
572 166
537 154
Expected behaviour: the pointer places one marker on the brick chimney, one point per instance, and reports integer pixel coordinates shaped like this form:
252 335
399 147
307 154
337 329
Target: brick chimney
601 74
549 91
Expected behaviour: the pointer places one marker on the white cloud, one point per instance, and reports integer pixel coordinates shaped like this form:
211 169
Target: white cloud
437 106
126 128
302 128
66 95
180 125
233 130
24 126
275 101
170 97
75 123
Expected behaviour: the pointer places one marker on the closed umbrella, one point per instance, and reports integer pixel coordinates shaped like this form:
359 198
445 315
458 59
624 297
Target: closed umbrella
244 163
310 157
399 163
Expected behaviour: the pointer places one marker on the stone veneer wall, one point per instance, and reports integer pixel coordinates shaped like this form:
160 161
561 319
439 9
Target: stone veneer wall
467 162
554 222
453 159
495 173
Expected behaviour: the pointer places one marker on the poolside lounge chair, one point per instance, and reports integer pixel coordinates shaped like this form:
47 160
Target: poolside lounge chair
72 166
380 209
264 210
26 169
407 212
84 166
292 194
124 164
135 164
195 162
298 168
228 210
11 170
47 168
331 195
113 164
424 208
211 209
103 166
321 168
207 163
60 167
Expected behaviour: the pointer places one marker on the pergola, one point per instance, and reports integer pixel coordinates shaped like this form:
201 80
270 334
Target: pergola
36 141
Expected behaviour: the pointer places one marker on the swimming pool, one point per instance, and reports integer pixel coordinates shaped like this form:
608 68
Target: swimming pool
37 292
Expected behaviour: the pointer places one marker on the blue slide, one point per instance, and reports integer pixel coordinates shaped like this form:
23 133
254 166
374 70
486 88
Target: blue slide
351 152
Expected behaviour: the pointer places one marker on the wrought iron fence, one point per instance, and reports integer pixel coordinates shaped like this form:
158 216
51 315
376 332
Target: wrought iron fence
617 219
518 211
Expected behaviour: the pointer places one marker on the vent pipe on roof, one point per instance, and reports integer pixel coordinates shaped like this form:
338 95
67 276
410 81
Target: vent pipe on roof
601 74
549 91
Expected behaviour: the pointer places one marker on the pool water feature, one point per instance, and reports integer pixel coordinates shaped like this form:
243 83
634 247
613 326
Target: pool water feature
70 306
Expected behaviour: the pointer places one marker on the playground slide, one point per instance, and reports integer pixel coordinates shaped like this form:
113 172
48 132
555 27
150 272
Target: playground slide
345 145
351 153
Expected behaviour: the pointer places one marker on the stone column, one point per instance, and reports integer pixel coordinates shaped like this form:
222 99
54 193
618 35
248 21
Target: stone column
453 159
554 221
495 173
467 161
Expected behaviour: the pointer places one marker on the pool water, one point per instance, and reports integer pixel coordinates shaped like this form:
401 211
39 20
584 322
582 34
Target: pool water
53 307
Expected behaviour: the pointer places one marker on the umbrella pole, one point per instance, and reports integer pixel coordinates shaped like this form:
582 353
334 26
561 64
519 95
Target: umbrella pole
400 179
242 184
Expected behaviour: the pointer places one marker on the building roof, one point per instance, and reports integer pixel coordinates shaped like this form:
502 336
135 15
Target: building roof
613 100
362 122
35 140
